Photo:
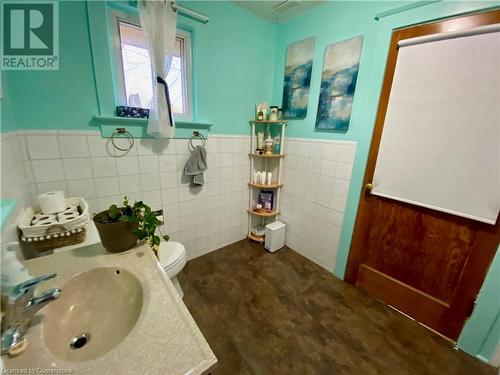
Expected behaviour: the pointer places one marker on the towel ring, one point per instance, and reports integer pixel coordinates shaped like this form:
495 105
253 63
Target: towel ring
196 135
129 136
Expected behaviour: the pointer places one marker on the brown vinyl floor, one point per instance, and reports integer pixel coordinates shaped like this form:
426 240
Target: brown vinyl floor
280 313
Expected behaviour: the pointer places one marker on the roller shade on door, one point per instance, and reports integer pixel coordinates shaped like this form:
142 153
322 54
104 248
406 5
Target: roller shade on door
440 145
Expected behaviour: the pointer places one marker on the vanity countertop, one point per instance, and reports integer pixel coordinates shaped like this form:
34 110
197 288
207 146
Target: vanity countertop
164 340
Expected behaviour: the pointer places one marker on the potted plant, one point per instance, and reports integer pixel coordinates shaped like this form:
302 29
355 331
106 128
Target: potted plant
121 227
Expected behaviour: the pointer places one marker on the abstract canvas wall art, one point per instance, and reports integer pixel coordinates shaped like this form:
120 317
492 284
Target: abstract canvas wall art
298 67
338 83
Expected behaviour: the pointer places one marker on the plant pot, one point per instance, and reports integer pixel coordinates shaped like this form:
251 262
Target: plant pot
116 237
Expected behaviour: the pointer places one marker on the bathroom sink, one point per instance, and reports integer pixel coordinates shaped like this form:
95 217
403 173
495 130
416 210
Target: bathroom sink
117 314
97 310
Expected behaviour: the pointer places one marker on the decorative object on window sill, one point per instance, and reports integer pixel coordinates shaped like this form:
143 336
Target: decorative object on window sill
135 112
338 82
298 68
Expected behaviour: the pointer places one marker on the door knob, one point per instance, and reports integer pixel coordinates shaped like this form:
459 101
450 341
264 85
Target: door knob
368 187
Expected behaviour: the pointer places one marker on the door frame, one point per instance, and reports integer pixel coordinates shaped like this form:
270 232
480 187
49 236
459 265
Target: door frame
470 282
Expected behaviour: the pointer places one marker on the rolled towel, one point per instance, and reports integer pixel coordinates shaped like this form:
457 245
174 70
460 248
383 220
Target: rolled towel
72 209
44 222
67 216
39 218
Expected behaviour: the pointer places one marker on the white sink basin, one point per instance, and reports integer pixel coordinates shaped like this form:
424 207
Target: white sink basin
96 311
118 314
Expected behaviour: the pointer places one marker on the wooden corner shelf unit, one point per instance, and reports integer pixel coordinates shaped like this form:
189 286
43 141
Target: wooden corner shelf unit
268 163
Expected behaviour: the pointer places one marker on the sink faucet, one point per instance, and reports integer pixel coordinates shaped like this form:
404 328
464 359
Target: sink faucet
21 306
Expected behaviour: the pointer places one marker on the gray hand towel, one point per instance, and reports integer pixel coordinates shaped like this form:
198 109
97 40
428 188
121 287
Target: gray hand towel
196 165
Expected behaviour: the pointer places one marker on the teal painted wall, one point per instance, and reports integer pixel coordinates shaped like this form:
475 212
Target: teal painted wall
64 98
481 334
233 59
330 23
337 21
7 122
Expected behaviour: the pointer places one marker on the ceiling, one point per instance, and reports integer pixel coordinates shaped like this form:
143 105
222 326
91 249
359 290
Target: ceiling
277 11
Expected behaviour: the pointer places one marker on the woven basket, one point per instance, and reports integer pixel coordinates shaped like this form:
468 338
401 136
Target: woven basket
51 236
52 243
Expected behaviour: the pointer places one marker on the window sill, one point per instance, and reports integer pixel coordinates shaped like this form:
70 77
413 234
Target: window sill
138 126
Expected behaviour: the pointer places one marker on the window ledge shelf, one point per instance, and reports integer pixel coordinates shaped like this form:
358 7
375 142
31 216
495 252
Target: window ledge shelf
138 126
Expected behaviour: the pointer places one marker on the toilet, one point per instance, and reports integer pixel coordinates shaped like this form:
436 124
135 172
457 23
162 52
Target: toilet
172 257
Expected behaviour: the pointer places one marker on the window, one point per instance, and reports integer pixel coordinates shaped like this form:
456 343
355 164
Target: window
135 69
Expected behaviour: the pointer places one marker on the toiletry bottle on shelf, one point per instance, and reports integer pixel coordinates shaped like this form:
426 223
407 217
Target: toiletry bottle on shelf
268 145
276 146
273 115
260 143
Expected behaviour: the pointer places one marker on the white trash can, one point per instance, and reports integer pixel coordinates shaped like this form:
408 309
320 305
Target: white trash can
275 236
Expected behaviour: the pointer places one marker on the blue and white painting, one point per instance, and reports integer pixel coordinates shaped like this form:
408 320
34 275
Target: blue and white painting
338 83
298 67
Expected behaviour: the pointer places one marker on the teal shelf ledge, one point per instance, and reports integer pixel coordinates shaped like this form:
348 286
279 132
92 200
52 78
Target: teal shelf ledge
6 208
138 126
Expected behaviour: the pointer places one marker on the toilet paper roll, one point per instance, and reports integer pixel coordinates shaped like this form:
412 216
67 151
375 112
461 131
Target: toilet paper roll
52 202
67 216
68 212
44 222
71 209
42 218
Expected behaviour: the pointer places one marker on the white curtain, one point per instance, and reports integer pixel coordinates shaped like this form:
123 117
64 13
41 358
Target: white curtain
158 20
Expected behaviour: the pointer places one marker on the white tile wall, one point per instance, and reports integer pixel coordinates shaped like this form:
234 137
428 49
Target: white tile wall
84 164
316 179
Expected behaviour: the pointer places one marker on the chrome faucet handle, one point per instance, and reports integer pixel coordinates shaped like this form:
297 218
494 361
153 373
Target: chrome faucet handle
23 289
47 296
34 305
12 336
20 309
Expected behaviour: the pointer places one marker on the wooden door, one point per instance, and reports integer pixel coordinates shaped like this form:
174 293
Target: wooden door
428 264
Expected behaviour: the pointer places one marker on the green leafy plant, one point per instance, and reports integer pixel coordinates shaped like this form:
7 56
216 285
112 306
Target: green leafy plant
141 214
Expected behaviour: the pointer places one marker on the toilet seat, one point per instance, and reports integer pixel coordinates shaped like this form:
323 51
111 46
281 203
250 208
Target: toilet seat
172 257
